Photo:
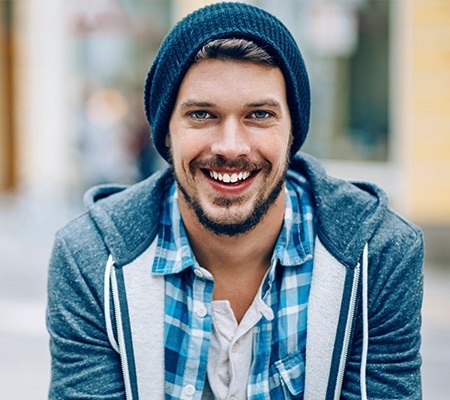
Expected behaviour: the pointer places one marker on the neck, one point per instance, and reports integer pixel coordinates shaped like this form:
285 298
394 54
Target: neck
238 255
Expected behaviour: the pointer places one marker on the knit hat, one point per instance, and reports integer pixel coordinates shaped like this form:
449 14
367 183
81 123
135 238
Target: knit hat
223 20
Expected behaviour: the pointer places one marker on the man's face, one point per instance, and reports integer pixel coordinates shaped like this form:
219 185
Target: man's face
230 134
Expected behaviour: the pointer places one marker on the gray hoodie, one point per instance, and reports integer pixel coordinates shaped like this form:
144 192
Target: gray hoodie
106 311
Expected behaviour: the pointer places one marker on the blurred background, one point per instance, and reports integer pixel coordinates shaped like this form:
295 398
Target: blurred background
71 116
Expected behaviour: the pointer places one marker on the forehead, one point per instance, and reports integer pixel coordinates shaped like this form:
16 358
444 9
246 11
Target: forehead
239 79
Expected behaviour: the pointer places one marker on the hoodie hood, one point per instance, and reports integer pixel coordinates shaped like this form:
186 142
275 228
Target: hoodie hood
128 217
344 234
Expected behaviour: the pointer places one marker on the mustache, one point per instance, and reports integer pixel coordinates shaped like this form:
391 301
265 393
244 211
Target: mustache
220 162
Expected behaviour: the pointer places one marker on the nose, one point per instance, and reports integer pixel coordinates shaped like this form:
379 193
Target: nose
231 140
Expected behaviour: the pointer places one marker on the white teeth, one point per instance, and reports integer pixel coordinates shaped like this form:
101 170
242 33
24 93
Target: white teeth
227 178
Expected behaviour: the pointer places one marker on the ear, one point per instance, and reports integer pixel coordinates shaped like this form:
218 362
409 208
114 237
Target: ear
167 142
291 140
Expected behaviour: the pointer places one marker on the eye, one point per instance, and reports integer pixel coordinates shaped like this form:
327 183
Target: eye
260 114
200 114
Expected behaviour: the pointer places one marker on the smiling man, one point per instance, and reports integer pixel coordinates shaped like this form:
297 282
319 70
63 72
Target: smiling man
242 271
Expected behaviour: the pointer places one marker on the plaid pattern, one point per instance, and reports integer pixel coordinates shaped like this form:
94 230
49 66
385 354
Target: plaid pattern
278 343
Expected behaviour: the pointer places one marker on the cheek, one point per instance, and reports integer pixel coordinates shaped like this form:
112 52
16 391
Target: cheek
185 149
278 149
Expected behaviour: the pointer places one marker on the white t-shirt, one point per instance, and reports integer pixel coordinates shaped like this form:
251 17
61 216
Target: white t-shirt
230 353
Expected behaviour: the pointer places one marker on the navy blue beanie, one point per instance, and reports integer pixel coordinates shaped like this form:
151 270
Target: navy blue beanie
223 20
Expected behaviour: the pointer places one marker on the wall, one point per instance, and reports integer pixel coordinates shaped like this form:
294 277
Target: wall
428 161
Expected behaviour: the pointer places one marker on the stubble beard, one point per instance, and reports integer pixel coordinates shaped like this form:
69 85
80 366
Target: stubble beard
232 229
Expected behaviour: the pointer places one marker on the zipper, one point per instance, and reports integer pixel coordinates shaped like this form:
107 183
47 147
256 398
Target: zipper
120 341
348 332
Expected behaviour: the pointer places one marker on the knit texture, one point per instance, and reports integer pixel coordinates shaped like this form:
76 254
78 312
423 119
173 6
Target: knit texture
224 20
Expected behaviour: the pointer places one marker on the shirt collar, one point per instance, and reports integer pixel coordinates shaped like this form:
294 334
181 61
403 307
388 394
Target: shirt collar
291 248
173 251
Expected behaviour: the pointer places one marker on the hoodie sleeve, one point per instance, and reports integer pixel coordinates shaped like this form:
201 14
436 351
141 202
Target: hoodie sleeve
395 290
84 365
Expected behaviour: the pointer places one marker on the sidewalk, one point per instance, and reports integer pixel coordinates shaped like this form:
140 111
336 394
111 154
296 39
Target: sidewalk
26 237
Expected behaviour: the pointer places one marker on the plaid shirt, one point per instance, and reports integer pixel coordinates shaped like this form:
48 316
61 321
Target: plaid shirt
279 341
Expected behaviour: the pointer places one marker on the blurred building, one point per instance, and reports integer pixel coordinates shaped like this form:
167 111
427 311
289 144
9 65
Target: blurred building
71 87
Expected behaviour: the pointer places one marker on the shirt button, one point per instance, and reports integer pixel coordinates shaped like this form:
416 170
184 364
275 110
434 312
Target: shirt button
201 311
232 398
189 390
199 273
234 348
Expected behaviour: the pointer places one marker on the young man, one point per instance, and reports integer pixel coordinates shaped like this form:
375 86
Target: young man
243 271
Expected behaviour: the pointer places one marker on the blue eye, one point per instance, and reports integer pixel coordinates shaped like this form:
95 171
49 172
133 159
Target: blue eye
260 114
200 114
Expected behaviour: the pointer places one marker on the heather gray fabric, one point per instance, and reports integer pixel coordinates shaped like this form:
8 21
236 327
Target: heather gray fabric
123 223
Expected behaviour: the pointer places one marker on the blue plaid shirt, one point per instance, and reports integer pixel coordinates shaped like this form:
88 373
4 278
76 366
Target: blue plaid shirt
279 341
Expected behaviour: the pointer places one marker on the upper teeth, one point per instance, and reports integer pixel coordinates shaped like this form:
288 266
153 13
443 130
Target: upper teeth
227 178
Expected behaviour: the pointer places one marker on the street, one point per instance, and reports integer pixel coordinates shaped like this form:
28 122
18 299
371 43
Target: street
26 237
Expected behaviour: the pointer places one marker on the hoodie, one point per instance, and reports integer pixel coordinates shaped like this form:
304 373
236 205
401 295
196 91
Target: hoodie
105 310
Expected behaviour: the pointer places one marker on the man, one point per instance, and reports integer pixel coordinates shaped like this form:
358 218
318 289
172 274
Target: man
243 271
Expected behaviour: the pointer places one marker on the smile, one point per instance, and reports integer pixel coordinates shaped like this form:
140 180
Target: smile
228 177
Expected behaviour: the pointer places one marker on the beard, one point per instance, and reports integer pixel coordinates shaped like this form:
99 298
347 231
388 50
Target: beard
261 206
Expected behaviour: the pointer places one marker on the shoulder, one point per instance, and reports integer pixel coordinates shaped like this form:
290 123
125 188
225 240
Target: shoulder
78 258
395 224
397 247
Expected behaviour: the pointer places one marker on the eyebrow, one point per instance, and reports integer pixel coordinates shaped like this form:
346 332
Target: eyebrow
190 103
264 103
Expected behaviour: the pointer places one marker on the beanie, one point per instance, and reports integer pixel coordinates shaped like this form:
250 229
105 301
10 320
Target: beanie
224 20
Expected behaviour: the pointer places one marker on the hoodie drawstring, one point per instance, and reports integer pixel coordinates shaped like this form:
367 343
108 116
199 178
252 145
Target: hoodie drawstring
365 318
107 291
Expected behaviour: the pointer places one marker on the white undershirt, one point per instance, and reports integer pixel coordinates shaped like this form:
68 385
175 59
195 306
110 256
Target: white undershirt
230 353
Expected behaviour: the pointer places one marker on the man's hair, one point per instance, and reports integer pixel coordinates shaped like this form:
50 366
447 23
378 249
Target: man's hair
236 50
